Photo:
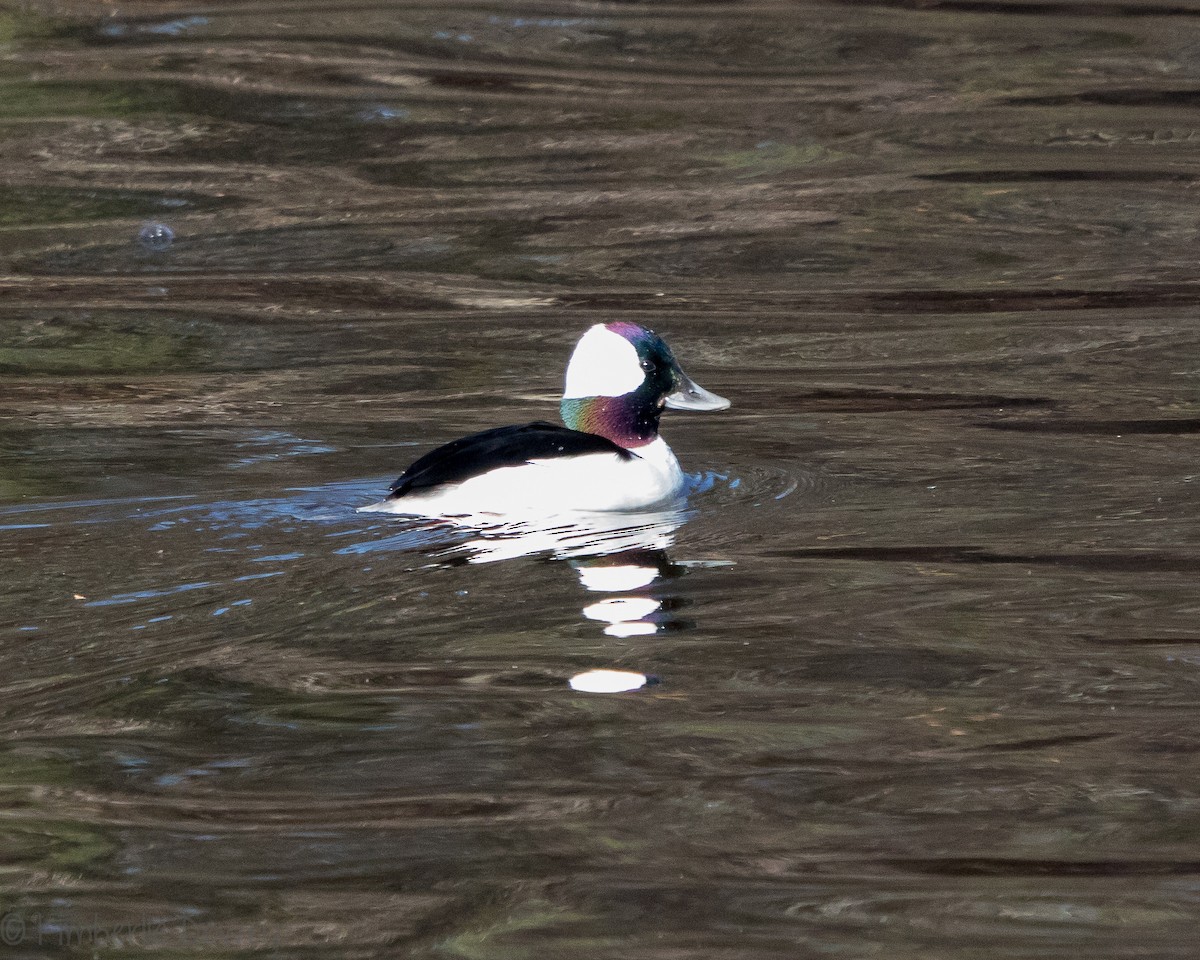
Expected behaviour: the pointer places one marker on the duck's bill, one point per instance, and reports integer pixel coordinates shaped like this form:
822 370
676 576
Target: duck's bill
689 395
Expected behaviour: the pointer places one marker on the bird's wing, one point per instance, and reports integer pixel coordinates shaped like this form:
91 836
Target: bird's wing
502 447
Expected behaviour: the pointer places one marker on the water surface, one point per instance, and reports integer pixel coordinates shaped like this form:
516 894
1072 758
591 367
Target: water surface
921 650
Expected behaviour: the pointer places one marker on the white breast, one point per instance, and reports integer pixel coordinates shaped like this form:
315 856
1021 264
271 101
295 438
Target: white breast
595 481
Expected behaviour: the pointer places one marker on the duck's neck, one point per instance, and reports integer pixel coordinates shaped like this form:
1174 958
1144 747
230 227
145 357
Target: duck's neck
630 421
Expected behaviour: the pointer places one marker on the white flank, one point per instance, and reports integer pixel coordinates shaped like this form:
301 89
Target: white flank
594 481
607 681
604 364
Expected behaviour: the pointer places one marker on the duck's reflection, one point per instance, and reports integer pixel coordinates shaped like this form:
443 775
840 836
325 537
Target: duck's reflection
631 613
622 555
625 616
569 536
621 559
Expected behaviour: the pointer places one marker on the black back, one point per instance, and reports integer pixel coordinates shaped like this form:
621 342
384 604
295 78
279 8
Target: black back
502 447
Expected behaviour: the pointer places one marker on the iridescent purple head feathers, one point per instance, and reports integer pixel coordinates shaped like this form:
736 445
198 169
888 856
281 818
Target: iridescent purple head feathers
620 378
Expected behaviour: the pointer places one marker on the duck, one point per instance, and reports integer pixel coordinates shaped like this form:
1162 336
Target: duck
607 455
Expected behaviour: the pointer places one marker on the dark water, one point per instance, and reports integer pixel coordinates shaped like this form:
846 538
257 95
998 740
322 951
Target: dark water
926 635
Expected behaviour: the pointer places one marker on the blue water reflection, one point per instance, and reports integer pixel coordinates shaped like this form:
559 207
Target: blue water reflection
624 557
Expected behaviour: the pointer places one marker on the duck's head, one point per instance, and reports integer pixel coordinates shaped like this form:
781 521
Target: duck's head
620 378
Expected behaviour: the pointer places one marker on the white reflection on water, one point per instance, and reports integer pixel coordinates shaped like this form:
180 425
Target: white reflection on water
622 556
617 553
578 534
608 681
625 616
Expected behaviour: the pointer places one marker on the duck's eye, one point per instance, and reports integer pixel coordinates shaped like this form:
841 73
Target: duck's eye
648 366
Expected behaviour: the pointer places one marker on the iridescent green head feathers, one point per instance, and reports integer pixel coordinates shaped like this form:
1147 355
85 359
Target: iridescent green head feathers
620 378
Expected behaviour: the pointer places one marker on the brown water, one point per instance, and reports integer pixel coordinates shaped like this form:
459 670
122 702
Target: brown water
926 636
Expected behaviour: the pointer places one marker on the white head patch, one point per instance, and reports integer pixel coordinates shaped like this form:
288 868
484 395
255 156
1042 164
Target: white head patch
604 364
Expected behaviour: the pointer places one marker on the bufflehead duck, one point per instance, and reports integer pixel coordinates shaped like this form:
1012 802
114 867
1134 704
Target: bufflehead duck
609 455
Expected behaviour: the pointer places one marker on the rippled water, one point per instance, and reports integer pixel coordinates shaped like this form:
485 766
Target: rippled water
915 668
